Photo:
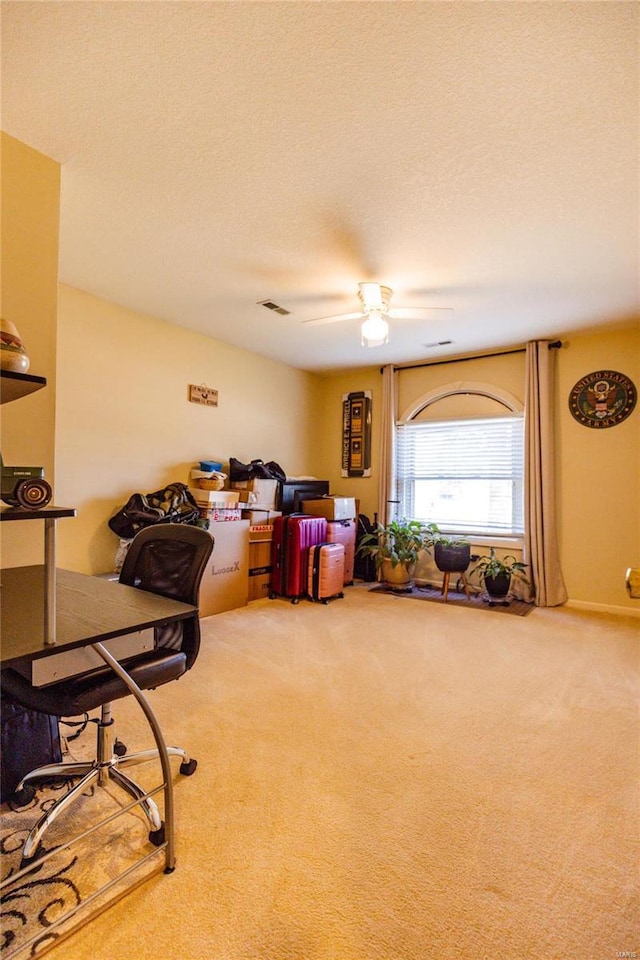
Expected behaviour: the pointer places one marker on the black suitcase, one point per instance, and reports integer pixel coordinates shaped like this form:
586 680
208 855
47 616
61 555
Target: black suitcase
364 568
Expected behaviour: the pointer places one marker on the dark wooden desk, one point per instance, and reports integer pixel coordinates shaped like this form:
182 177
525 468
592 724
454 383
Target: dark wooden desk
89 610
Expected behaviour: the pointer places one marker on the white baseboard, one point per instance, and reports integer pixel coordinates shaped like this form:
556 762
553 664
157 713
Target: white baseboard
604 608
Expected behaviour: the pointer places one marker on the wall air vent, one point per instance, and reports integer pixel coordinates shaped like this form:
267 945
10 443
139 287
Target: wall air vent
437 343
270 305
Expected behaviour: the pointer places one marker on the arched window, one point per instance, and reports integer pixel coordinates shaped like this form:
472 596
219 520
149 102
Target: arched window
460 460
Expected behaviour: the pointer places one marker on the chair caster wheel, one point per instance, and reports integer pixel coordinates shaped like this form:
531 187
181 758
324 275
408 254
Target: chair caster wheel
187 769
119 748
157 837
35 856
296 600
20 798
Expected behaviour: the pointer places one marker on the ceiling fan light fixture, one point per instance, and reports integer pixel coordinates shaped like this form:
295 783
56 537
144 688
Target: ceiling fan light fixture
374 330
373 296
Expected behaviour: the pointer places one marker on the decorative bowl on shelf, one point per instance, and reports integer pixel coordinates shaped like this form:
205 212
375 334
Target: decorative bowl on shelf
13 356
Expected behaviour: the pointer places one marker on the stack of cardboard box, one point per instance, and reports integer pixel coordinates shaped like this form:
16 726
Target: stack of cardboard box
217 505
260 544
331 508
257 501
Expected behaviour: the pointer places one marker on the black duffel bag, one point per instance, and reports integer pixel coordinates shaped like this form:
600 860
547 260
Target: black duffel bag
173 504
257 468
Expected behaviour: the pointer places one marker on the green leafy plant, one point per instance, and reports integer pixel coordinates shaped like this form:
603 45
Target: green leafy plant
433 536
399 541
490 567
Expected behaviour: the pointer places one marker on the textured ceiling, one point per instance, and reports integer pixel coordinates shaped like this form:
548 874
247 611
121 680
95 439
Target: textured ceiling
480 156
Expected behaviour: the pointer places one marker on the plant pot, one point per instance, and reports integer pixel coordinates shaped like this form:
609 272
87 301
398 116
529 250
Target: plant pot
397 578
498 587
454 558
422 571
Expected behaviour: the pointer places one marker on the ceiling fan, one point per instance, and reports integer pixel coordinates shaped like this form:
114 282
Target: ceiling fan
376 312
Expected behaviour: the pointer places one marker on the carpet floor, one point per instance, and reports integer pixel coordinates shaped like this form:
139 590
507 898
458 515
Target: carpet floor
58 894
394 781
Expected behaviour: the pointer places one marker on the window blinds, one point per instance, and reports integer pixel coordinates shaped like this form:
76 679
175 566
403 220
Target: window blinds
466 475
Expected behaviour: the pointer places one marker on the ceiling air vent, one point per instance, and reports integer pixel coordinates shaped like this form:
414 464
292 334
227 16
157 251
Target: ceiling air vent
270 305
437 343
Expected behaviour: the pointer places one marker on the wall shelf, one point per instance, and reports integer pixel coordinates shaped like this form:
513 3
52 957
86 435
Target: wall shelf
45 513
15 385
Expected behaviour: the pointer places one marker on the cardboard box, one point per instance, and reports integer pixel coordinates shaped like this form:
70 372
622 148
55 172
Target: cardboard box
259 516
259 554
216 513
249 498
333 508
264 491
225 584
260 563
259 585
261 531
228 498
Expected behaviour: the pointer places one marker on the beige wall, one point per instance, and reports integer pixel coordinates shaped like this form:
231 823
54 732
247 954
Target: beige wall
505 372
124 423
599 476
328 429
30 190
598 471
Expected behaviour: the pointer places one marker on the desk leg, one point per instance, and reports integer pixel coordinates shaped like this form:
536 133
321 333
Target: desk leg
49 581
170 861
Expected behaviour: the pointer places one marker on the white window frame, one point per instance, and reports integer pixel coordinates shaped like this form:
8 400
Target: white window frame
513 407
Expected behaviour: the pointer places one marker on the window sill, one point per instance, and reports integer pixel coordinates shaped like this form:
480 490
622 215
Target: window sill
503 543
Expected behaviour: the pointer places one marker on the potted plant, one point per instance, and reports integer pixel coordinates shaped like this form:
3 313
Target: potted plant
451 552
496 574
395 547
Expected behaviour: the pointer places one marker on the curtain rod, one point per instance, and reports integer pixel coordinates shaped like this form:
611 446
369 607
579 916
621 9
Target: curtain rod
553 345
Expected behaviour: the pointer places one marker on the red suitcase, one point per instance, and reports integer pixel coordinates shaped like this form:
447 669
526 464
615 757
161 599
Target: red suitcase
326 571
344 532
292 537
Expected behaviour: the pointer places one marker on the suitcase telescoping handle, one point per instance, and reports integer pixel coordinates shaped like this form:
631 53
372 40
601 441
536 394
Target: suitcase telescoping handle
315 572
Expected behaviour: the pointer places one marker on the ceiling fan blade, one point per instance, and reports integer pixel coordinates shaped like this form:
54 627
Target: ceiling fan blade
414 313
336 319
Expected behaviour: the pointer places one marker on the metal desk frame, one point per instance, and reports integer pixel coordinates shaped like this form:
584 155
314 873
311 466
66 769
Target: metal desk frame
88 610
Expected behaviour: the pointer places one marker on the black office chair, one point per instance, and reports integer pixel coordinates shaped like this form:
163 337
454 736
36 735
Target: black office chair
166 559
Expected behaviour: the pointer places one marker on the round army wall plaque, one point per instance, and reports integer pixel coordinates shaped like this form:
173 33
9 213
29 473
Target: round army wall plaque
602 399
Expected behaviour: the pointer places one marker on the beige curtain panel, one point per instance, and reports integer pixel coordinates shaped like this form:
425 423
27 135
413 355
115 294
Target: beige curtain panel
540 541
386 485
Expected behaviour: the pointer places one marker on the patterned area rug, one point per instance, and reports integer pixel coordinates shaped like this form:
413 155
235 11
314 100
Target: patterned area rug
480 601
57 895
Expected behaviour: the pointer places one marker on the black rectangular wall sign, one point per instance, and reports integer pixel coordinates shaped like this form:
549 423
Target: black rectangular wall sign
356 434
